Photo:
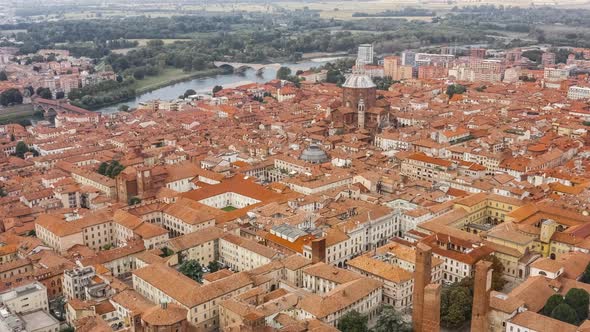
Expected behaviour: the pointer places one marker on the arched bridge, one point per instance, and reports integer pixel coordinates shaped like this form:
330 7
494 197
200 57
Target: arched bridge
52 107
239 65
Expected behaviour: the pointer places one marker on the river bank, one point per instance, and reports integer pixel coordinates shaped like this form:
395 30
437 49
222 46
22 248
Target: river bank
170 77
16 113
203 83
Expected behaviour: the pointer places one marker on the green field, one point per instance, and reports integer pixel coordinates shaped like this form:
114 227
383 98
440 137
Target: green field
16 113
229 208
169 76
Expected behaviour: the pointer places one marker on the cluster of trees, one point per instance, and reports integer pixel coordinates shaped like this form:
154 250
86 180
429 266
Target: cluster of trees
133 200
194 270
284 73
535 20
455 89
456 299
10 97
572 309
44 93
22 148
110 169
389 320
586 275
104 31
103 93
383 83
337 69
3 76
527 15
526 78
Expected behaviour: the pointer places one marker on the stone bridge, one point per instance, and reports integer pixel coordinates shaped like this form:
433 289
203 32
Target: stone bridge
52 107
238 65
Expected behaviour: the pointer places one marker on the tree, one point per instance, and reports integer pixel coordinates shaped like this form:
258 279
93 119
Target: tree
498 269
21 149
102 168
533 55
192 269
578 299
189 92
67 329
11 96
134 200
166 252
283 73
139 74
214 266
353 321
44 93
217 88
552 302
565 313
455 89
455 305
60 95
389 320
123 108
586 275
3 76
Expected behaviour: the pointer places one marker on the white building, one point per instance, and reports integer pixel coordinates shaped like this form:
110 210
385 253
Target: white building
26 298
365 55
578 92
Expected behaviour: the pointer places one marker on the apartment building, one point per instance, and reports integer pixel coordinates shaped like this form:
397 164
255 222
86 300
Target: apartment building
76 280
26 298
362 295
394 265
241 254
578 92
419 166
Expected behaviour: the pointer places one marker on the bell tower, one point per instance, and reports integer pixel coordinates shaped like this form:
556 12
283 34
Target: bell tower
361 114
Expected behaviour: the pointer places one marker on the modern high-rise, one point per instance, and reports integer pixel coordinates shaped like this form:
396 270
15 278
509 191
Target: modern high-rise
392 67
408 58
365 55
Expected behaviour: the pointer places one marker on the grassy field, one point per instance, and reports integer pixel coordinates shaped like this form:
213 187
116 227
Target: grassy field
15 113
167 77
338 9
229 208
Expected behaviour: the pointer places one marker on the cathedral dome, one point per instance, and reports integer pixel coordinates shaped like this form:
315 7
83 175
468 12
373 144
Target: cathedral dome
359 81
314 154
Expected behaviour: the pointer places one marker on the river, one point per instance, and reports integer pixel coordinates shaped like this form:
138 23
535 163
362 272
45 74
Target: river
206 84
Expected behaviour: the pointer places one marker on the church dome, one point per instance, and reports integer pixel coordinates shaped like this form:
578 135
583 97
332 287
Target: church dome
314 154
359 81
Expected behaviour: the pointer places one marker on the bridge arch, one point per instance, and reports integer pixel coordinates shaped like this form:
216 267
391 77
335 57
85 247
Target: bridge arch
50 112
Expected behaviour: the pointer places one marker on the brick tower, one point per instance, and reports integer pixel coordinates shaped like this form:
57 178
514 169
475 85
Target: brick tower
421 280
481 296
431 314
